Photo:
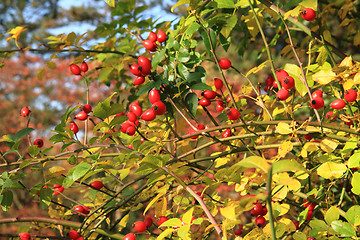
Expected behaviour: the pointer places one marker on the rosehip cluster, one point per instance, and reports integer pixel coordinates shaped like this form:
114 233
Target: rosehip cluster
150 43
259 211
83 114
238 231
82 210
287 83
76 70
140 70
58 189
140 227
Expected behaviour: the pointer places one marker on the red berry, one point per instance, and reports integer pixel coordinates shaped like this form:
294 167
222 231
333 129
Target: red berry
338 104
264 211
330 115
25 236
135 69
80 238
73 234
148 222
131 116
317 102
129 236
209 94
226 133
154 96
260 221
266 88
308 137
288 83
161 220
86 210
58 190
317 93
39 142
204 102
140 226
310 205
87 108
119 114
124 126
25 111
74 127
145 65
350 95
152 36
79 209
84 67
281 74
161 36
149 45
233 114
131 130
219 108
239 231
139 80
257 209
218 83
224 63
308 14
269 80
159 108
282 94
75 69
136 109
309 215
149 115
275 85
199 127
296 223
81 116
97 184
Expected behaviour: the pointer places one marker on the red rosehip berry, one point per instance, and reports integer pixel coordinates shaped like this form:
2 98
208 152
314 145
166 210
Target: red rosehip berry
159 108
317 93
224 63
218 83
148 222
131 116
309 215
25 236
204 102
282 94
257 209
269 80
281 74
308 137
73 234
136 109
239 230
154 96
74 127
39 142
79 209
87 108
350 95
308 14
136 70
131 130
152 36
145 65
209 94
97 185
233 114
58 190
149 45
297 224
75 69
140 226
219 108
25 112
226 133
330 115
84 67
260 221
81 116
139 80
288 83
161 36
161 220
130 236
80 238
317 102
149 115
199 127
338 104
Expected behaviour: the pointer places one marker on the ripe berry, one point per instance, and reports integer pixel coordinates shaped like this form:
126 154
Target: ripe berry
39 142
87 108
264 211
260 221
129 236
97 184
224 63
218 83
25 111
209 94
139 226
124 126
161 220
204 102
219 108
131 116
257 209
296 223
74 127
79 209
330 115
81 116
154 96
161 36
310 205
159 108
282 94
269 80
149 115
350 95
317 93
139 80
84 67
308 14
239 231
135 69
75 69
309 215
281 74
338 104
308 137
149 45
136 109
266 88
317 103
25 236
73 234
233 114
148 222
145 65
199 127
80 238
152 36
58 190
226 133
275 85
288 83
131 130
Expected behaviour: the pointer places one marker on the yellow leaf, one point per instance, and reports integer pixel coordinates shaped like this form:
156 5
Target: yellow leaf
357 78
257 68
331 170
251 22
347 62
254 234
56 171
165 233
255 162
295 12
280 192
283 128
15 34
348 84
324 77
221 161
328 145
228 212
284 149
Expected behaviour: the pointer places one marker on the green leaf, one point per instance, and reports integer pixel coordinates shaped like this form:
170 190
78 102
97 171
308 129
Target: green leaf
7 199
172 222
225 3
355 183
206 42
229 26
75 173
254 162
179 3
183 55
353 215
343 228
354 160
350 145
158 56
191 103
58 138
145 169
71 160
200 86
192 28
183 230
45 197
331 170
102 110
166 232
332 214
156 161
287 166
33 150
22 133
67 114
299 236
319 225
